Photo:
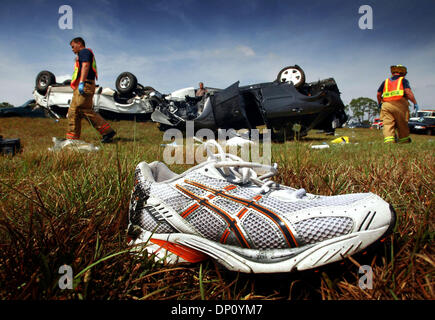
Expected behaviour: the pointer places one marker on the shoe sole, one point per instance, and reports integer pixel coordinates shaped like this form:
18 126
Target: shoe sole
176 248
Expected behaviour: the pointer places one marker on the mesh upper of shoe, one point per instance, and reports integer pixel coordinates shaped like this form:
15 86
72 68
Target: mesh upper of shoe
262 232
319 229
207 223
228 206
170 196
284 208
265 234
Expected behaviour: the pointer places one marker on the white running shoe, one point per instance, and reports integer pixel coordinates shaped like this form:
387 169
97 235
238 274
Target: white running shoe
229 210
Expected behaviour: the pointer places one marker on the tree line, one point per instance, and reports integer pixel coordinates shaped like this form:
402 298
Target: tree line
6 105
362 109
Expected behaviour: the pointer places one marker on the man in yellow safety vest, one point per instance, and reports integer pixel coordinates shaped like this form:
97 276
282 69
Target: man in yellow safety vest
394 94
83 84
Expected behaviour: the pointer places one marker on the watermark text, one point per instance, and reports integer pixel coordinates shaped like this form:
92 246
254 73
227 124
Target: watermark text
365 22
66 20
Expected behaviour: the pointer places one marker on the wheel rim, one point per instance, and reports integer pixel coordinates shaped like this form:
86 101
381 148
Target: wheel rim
124 83
290 75
43 82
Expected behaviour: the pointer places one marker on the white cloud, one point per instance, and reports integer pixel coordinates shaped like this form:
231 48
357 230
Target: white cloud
245 50
62 78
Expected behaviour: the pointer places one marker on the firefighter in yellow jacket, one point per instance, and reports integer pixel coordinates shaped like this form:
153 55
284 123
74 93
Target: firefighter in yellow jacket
83 84
394 94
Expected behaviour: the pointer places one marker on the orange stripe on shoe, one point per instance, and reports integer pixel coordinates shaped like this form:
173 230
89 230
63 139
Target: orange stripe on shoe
232 223
227 217
242 213
186 253
225 236
189 210
288 235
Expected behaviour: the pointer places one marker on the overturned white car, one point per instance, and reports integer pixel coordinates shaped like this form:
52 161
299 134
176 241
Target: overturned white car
130 100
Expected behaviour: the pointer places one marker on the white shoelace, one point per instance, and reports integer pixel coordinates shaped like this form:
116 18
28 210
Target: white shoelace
243 171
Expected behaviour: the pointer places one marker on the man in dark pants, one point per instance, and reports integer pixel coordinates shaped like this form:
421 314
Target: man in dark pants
83 84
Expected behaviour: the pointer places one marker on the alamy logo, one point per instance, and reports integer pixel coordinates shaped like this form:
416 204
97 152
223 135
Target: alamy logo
180 152
66 20
366 20
366 280
66 280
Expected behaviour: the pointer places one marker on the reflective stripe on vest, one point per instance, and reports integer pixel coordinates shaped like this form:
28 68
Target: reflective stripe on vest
74 79
395 94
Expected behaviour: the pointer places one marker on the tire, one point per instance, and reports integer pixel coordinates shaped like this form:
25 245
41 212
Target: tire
293 74
163 127
281 135
44 79
126 83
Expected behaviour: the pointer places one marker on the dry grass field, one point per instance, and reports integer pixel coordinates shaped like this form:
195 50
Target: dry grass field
71 208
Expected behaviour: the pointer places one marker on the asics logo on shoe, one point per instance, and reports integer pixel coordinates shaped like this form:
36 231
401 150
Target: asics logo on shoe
288 235
232 223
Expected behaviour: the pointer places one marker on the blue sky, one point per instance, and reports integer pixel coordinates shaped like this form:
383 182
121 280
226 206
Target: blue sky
174 44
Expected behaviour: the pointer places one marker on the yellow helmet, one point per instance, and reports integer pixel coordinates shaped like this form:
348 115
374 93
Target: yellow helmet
399 69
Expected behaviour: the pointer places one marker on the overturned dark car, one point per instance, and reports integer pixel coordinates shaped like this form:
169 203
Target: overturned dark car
287 105
28 109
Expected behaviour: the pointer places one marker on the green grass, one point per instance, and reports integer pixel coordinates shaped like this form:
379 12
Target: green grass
71 208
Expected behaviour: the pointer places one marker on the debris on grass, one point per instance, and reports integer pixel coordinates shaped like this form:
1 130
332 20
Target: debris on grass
75 145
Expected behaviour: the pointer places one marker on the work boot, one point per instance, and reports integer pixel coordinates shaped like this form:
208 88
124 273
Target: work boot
405 140
108 138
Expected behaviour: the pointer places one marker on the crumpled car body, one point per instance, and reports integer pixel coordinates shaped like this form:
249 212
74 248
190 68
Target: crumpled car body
276 105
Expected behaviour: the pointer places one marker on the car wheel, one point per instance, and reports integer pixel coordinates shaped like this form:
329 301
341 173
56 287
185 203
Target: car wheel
126 83
44 79
293 74
163 127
